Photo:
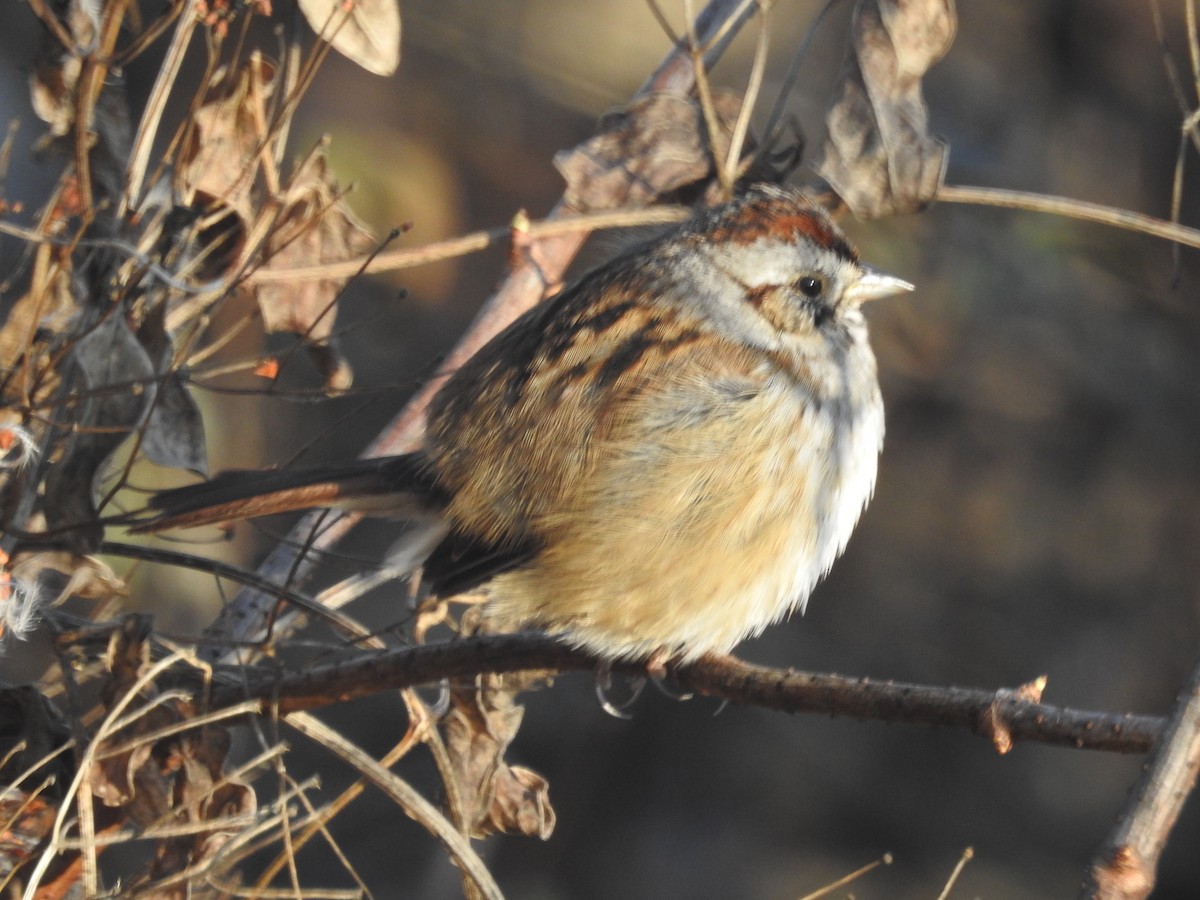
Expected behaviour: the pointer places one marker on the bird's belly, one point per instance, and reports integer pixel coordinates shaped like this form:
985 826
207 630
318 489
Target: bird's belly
716 548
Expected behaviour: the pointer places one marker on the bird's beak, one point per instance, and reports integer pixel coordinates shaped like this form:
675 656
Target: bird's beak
873 284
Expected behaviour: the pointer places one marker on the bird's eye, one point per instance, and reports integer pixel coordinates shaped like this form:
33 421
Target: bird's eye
811 286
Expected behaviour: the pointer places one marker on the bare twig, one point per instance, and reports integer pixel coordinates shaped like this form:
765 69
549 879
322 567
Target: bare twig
150 737
726 678
967 855
1124 867
885 860
395 260
717 25
1172 72
225 570
742 127
1071 209
323 816
704 93
263 832
416 806
772 127
156 103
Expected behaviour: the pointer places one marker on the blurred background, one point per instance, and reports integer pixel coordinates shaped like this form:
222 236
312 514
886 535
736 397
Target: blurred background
1038 508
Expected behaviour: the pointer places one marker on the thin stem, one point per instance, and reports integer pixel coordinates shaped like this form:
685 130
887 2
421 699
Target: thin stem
156 104
1071 209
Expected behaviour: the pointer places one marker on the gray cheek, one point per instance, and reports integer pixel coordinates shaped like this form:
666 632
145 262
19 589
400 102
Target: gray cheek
723 304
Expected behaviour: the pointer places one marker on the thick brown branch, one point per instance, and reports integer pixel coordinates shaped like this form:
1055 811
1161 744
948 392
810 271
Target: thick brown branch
1124 867
727 678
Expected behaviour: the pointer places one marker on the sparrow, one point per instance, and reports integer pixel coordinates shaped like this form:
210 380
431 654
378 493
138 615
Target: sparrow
664 458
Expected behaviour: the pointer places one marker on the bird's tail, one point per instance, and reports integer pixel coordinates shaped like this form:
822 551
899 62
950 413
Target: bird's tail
391 485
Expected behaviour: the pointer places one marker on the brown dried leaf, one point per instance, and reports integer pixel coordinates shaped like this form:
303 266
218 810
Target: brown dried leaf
48 308
878 154
192 763
150 791
223 156
56 72
176 779
364 31
133 780
27 823
657 145
60 574
233 797
481 723
521 803
127 653
316 226
52 93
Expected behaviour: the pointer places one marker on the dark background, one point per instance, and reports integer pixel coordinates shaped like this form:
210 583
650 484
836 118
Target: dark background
1037 502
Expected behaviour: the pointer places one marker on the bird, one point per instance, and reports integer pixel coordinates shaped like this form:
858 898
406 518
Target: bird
661 460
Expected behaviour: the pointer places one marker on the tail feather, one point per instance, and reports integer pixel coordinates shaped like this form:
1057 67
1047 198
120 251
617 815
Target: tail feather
392 485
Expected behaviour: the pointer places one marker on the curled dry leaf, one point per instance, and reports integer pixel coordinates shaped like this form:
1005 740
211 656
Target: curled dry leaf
364 31
47 309
127 653
335 369
316 226
656 145
176 779
57 575
521 803
224 152
56 70
878 154
200 793
482 722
